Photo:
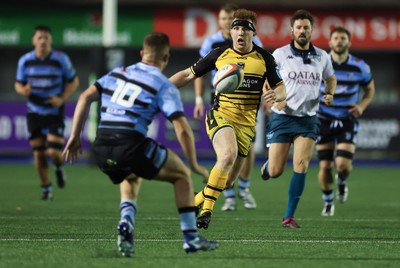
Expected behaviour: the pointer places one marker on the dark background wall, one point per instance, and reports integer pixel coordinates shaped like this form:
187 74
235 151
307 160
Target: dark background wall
382 118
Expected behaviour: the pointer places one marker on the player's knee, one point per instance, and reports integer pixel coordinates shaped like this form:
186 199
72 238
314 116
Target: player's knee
326 166
274 172
344 169
344 161
183 174
39 154
301 166
54 154
227 159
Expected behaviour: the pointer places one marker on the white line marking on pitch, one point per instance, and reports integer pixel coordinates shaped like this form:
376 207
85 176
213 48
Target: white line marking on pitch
176 218
228 241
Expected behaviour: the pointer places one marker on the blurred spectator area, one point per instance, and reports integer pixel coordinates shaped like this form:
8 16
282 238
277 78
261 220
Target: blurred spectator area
77 27
331 4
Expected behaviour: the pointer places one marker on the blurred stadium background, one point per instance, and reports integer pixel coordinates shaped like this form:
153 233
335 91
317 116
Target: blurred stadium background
78 29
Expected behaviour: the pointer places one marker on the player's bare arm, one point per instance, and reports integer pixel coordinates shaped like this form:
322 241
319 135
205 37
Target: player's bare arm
280 92
81 111
23 90
369 91
185 137
182 78
330 88
275 96
198 111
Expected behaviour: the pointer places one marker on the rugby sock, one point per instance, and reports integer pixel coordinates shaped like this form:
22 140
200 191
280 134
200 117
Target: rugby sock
341 179
127 210
327 196
188 222
47 188
296 188
199 198
243 185
215 185
229 192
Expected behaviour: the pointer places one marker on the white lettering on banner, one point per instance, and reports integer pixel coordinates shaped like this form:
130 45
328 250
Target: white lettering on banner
5 127
9 37
21 129
267 25
377 133
371 29
383 29
82 37
271 27
357 26
189 27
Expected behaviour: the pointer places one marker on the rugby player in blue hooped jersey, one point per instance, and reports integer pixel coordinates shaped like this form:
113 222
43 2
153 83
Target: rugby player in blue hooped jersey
47 78
131 97
220 39
303 67
339 125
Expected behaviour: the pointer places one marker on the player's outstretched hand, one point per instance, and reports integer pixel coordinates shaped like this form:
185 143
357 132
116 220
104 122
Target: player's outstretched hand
71 150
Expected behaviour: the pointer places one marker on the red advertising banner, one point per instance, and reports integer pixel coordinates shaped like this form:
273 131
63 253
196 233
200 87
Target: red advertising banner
187 27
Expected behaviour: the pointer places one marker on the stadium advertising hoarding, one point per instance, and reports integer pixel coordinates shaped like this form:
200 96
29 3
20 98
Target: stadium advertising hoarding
379 132
370 29
72 26
188 27
14 131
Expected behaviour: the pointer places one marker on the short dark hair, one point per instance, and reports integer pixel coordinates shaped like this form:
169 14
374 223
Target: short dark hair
156 44
301 14
156 41
42 28
340 29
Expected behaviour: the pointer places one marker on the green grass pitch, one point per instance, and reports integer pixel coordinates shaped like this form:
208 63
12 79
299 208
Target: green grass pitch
78 228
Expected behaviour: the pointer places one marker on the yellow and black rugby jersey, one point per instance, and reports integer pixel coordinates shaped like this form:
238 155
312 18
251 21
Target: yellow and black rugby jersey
242 105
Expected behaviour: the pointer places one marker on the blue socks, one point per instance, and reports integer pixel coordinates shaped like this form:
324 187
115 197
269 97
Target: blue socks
243 185
128 210
296 188
47 188
229 192
188 222
327 196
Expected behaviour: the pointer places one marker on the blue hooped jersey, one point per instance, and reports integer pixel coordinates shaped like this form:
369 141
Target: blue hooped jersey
47 77
351 76
131 97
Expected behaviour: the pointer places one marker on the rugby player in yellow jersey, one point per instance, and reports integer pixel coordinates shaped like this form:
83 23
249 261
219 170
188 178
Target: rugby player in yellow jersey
230 123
